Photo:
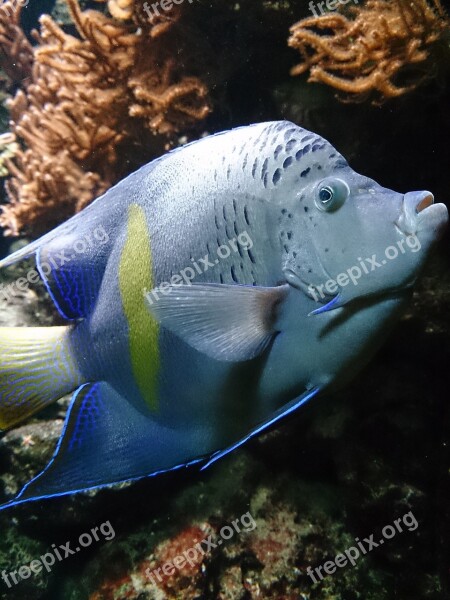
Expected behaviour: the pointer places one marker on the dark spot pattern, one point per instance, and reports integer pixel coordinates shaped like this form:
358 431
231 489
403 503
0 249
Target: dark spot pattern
290 145
341 163
256 142
233 274
287 162
288 133
305 172
276 176
264 168
246 215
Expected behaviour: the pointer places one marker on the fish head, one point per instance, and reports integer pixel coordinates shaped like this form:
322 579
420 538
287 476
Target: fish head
357 239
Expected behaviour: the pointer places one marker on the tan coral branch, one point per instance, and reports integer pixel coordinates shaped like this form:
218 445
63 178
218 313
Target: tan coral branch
92 102
384 48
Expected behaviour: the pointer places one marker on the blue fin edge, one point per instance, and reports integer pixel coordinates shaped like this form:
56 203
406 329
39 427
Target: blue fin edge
284 412
326 307
17 501
50 293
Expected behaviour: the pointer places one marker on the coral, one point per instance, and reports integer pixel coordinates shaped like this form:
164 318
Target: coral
91 111
8 149
121 9
16 52
387 48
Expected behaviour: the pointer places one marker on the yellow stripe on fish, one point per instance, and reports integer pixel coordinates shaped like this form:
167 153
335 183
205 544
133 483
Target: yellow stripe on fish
136 276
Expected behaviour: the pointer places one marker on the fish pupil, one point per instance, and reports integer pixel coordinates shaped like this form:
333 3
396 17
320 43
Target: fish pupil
325 195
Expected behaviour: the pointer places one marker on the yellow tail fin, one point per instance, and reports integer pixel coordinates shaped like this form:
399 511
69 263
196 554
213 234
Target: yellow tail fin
36 368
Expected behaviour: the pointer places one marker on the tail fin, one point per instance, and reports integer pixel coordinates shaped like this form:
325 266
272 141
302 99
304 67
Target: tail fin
36 368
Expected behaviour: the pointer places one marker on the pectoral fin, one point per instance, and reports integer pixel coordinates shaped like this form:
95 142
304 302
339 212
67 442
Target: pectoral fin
226 322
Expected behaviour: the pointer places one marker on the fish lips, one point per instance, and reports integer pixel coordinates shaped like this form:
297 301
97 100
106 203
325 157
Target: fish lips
420 214
433 219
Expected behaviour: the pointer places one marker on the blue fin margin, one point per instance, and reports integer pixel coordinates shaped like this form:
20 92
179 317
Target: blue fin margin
80 437
281 414
85 408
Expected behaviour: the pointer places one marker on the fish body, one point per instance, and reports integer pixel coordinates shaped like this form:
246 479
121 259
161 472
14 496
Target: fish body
233 280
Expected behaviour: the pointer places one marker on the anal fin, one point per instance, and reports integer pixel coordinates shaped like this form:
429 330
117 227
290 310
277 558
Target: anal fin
106 440
281 414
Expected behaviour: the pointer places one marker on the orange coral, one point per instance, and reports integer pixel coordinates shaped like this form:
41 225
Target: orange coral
90 114
121 9
386 48
16 52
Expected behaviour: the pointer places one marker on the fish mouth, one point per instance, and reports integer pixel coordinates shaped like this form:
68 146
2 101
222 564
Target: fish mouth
420 213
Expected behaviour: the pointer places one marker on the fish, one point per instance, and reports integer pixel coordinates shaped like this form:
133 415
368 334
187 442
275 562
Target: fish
206 297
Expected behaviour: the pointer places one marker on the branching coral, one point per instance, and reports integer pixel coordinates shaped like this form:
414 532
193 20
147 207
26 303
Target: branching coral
16 53
121 9
8 149
91 112
386 48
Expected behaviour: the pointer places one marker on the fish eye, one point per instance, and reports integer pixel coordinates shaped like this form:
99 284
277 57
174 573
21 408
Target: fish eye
332 194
